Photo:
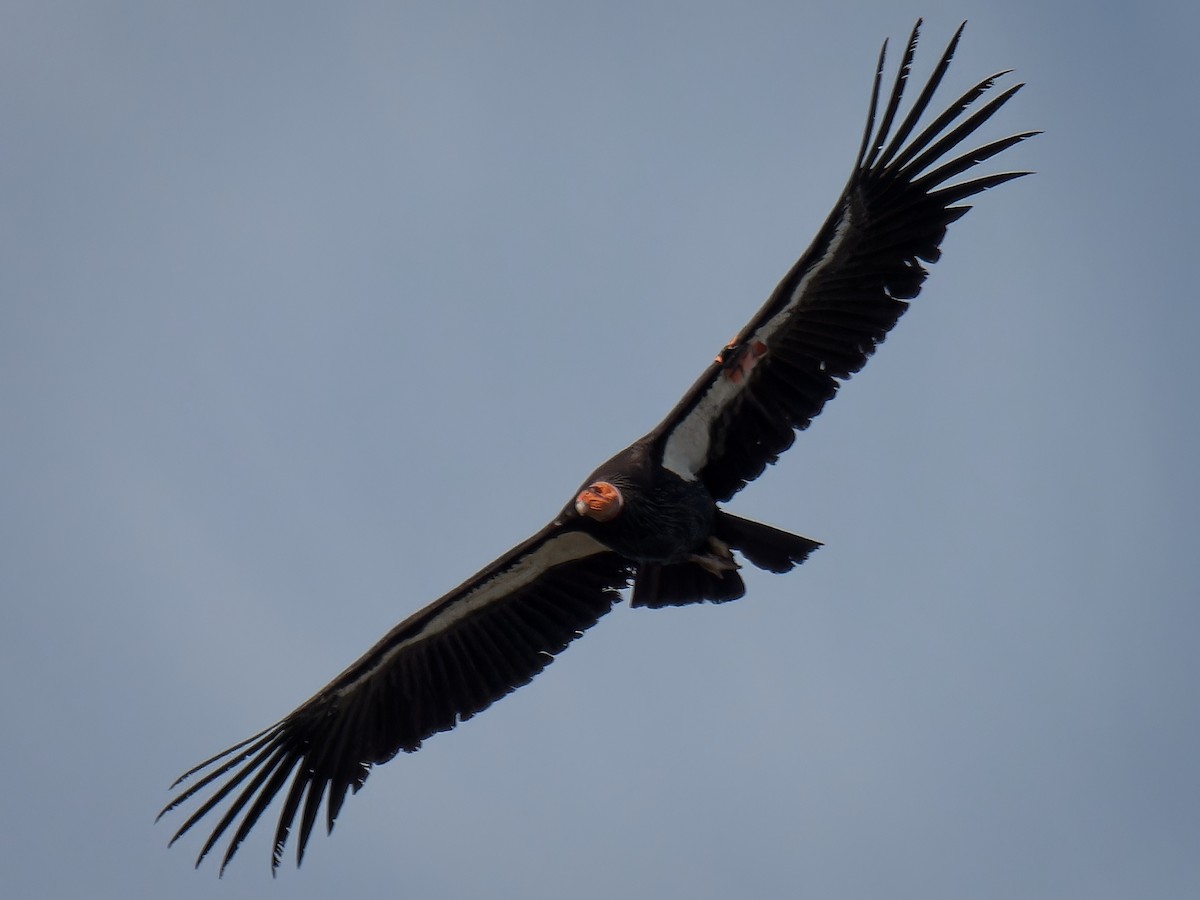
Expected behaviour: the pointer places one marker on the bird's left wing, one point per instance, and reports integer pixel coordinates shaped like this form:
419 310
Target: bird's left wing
844 294
440 666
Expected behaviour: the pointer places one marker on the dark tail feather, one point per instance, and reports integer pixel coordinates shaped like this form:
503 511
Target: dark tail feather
766 547
678 584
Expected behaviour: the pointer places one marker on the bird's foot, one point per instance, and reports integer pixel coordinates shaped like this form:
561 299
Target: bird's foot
718 560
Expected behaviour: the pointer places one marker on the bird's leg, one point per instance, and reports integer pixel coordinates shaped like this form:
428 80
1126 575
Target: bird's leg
719 559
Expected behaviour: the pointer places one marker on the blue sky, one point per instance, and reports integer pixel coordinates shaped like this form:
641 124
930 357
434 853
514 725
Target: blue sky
310 312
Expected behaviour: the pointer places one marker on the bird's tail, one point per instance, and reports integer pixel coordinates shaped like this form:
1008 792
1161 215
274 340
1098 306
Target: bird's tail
677 584
768 548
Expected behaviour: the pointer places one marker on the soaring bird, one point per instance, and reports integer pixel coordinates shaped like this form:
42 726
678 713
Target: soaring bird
648 517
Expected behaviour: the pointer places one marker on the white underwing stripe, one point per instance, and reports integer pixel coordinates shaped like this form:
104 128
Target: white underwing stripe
561 548
686 450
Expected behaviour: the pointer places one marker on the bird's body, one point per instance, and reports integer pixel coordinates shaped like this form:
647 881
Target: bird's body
669 526
663 517
651 514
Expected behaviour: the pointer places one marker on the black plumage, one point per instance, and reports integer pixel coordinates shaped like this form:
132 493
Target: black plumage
647 516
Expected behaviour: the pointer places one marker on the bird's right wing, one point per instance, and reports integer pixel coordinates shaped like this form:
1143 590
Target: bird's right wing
440 666
847 290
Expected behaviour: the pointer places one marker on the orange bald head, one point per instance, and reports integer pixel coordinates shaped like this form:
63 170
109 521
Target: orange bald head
600 500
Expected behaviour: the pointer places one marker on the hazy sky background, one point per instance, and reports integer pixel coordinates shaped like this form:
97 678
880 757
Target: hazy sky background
307 313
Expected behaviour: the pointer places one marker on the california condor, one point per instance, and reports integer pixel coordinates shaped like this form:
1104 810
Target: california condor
649 516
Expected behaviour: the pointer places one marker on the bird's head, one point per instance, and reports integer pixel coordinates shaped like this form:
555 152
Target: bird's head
600 500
